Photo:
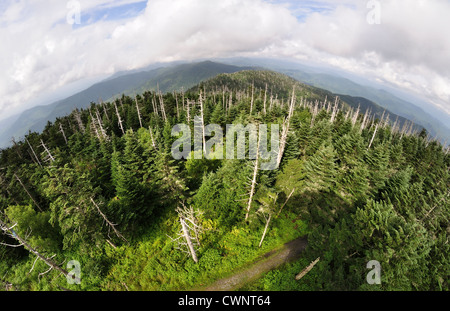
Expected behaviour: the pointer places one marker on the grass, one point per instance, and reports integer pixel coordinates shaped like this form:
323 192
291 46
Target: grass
154 263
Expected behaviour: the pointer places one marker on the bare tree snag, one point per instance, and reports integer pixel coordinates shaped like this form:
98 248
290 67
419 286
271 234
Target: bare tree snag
138 111
230 101
188 109
105 110
265 230
386 121
185 241
382 118
16 148
61 129
119 119
394 126
265 100
34 153
355 116
152 138
286 125
307 269
188 239
100 124
373 136
155 108
224 106
251 101
110 224
287 199
9 231
365 120
77 116
49 155
335 110
314 112
161 103
176 101
93 125
182 97
203 124
26 190
253 182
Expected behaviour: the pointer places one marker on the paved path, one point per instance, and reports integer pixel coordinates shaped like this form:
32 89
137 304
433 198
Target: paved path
289 252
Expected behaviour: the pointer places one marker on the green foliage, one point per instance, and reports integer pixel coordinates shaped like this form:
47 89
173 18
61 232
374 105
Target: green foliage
389 202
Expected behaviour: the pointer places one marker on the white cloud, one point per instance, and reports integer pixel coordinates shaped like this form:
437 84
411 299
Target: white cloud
41 52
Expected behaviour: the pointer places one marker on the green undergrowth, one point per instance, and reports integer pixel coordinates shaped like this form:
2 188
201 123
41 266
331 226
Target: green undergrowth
283 278
155 264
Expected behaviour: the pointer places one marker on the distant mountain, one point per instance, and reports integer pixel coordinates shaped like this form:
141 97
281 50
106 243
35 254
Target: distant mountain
334 82
281 84
379 96
186 75
168 78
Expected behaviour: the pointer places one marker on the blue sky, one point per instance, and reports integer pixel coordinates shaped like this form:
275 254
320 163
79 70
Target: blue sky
104 12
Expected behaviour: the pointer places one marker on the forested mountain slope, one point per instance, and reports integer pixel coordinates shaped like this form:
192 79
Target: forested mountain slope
164 78
100 190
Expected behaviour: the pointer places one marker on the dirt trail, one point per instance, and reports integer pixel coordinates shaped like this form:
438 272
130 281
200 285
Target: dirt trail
289 252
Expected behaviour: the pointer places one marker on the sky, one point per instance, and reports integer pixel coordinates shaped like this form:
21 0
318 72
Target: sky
50 47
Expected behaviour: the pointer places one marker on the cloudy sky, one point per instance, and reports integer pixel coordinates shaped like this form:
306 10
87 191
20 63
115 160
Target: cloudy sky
50 46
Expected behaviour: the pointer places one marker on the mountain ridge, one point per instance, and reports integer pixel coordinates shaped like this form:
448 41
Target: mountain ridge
35 118
166 79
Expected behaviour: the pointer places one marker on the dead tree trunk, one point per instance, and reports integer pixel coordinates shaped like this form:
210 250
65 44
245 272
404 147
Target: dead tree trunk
152 138
287 199
155 107
224 106
265 230
307 269
251 101
119 120
161 103
9 231
373 136
26 190
61 129
203 124
355 116
138 111
265 99
187 237
110 224
187 242
285 131
93 125
49 155
230 101
34 153
100 124
16 148
176 101
314 112
105 110
188 112
365 119
77 116
253 182
335 110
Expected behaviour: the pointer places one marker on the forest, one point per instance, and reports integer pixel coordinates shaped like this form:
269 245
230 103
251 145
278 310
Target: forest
97 201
